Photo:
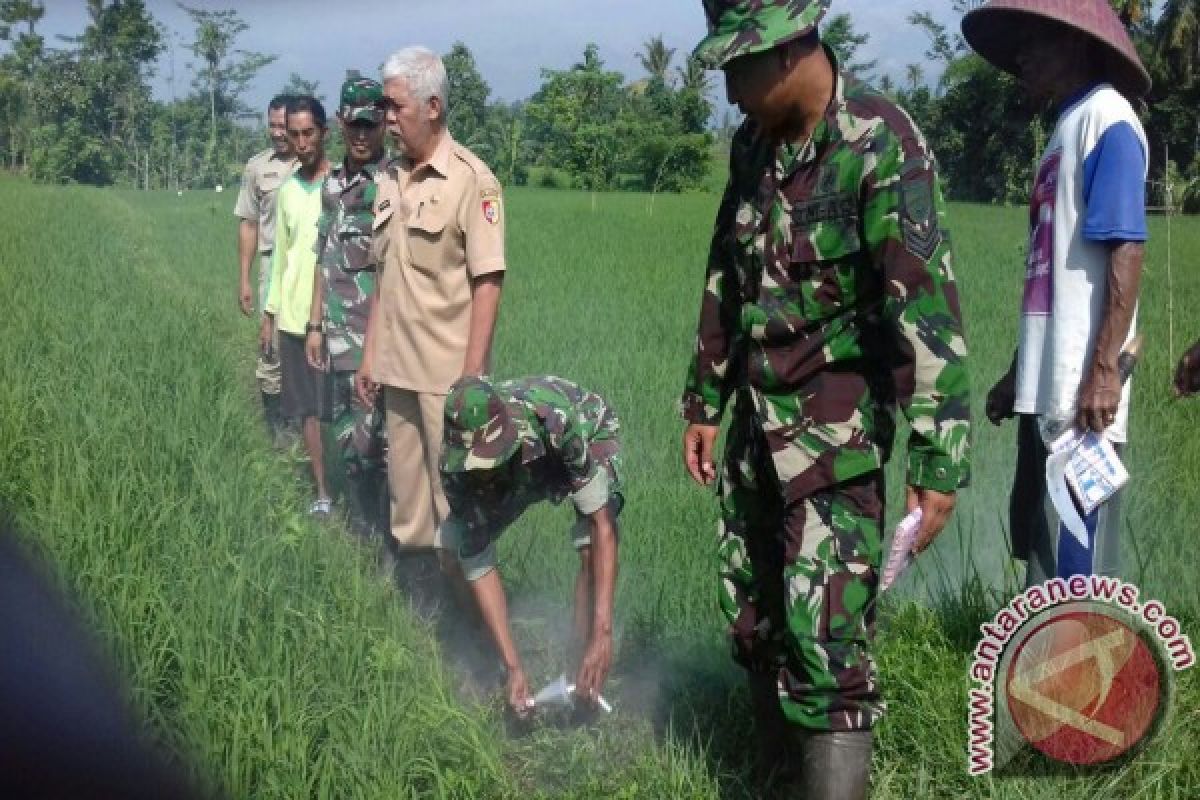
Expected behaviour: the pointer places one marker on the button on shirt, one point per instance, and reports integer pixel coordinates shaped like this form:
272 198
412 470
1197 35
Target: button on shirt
436 228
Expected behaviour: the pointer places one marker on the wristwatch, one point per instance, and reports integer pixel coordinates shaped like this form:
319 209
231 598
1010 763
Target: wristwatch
314 327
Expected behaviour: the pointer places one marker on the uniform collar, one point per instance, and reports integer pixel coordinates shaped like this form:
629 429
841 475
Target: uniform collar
368 170
439 162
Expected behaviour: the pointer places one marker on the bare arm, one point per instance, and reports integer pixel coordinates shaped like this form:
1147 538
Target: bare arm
493 606
314 341
247 249
485 305
1100 393
597 657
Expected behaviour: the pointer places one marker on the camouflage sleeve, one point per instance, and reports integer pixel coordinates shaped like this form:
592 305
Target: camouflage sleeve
324 221
709 382
904 226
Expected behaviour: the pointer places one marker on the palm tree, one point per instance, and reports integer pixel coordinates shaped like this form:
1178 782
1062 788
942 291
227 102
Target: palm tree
1178 37
1132 12
656 58
915 76
694 77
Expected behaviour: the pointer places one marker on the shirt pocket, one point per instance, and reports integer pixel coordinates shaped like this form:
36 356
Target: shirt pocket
354 238
821 267
425 244
381 233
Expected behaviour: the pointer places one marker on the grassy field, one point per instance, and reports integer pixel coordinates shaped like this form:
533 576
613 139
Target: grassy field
265 648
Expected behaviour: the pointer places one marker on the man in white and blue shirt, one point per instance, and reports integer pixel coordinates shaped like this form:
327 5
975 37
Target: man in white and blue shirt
1084 264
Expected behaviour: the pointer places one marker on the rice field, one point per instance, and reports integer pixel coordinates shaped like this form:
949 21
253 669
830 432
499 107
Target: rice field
266 649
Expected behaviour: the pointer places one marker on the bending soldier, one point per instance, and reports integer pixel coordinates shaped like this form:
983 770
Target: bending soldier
507 446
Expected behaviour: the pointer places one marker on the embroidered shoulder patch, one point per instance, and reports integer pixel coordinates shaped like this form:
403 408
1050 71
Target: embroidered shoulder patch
918 217
491 211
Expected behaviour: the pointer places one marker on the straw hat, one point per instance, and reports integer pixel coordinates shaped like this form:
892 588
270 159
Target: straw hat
996 30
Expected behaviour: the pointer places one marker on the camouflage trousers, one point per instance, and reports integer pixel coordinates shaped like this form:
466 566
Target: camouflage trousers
798 585
359 432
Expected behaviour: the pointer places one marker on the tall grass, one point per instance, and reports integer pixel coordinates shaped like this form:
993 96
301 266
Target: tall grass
265 646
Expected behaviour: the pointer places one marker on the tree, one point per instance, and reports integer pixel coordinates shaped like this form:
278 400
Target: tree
224 72
17 69
298 86
840 36
656 58
467 103
694 77
941 46
573 117
915 76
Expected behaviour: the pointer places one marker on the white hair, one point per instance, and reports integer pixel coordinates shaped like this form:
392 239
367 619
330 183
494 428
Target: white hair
423 71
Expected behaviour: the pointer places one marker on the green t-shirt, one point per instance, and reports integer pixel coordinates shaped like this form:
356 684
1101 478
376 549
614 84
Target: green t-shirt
293 264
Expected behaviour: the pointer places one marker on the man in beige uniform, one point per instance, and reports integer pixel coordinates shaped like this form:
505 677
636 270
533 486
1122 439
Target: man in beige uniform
261 179
439 239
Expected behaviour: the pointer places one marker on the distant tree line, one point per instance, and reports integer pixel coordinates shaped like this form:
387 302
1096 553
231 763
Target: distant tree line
81 110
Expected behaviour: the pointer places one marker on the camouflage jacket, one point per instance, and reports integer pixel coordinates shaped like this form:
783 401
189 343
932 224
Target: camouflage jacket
829 300
344 258
568 447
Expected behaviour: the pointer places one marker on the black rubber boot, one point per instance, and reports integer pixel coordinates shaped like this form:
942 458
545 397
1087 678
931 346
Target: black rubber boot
836 766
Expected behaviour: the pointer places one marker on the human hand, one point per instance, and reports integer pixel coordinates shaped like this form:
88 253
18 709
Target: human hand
1099 396
520 702
1187 373
246 298
1002 398
365 387
698 443
314 351
936 508
593 669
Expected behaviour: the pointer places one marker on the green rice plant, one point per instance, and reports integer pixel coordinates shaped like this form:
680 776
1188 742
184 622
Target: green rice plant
267 650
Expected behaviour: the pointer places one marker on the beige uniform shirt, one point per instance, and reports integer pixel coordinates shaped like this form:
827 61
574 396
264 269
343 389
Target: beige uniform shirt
436 228
261 179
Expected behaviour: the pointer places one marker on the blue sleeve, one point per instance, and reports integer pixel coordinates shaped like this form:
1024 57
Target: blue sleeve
1114 189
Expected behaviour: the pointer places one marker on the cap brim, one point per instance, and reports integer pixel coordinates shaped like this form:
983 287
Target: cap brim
715 51
462 456
997 35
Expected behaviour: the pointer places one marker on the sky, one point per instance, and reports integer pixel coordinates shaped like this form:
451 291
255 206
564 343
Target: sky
512 40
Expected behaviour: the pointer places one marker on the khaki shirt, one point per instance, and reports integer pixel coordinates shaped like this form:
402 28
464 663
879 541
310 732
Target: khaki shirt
435 229
261 179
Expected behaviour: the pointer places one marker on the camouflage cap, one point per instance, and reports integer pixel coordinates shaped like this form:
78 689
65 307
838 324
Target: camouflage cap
741 27
478 431
362 99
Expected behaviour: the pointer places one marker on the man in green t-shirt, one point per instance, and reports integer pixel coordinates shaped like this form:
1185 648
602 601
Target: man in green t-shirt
293 270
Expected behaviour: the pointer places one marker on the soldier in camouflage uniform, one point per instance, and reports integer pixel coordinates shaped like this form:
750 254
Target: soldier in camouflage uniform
342 297
511 444
829 301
